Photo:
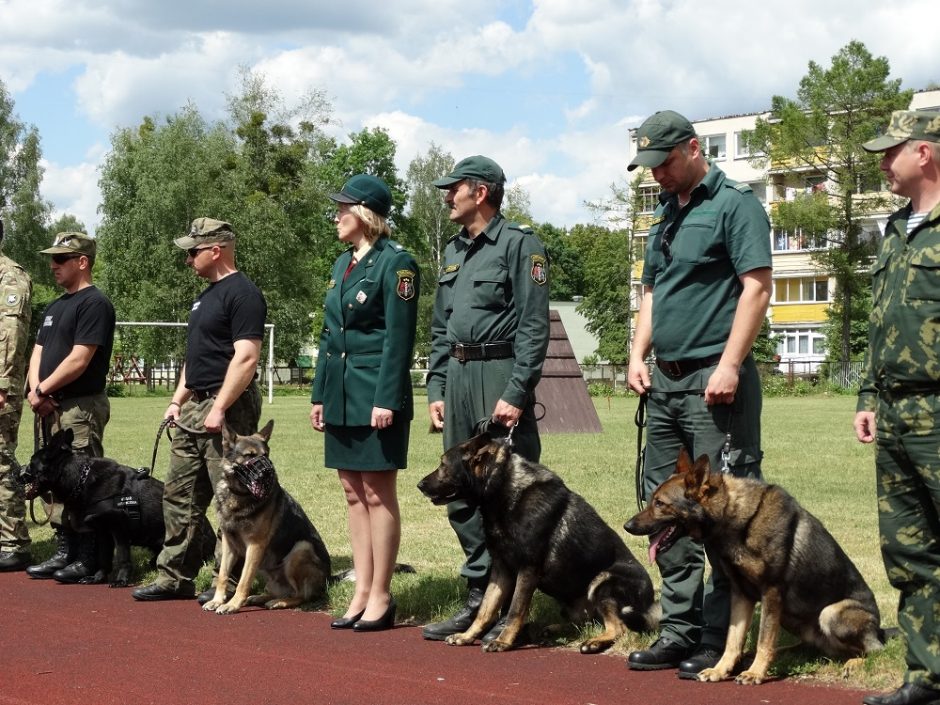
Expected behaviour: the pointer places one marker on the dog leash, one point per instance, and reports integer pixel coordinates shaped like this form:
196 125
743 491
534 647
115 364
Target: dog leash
41 440
165 425
639 476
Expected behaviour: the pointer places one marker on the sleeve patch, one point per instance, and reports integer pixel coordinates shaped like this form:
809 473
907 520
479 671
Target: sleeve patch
406 284
539 270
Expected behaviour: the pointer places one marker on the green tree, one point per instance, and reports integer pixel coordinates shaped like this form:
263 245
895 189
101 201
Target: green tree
517 205
22 208
606 302
567 262
819 134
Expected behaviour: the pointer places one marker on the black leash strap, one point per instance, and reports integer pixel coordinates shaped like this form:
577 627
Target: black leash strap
639 474
40 440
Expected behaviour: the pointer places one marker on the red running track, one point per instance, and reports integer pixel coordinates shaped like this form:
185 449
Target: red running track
91 645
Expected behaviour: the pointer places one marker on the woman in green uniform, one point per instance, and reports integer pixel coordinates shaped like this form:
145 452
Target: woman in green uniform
362 389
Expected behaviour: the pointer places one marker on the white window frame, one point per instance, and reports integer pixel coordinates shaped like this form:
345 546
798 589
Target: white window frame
707 146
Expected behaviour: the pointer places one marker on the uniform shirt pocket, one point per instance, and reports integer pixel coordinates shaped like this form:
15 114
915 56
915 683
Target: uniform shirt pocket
445 287
923 282
489 289
695 242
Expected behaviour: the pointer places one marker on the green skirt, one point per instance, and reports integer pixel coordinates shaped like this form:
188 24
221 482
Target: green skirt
366 448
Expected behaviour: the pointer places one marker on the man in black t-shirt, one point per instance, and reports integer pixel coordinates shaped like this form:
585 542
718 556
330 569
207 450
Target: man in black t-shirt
68 372
217 386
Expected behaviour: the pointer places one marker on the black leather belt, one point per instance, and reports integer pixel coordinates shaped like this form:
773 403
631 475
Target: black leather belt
466 352
203 394
680 368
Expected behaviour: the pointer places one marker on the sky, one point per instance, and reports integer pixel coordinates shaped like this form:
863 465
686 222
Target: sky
548 88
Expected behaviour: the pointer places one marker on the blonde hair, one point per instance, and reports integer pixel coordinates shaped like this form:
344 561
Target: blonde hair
374 225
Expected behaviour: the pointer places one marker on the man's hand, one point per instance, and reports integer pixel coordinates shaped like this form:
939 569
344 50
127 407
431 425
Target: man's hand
214 421
3 399
506 414
722 385
381 418
436 411
864 426
638 377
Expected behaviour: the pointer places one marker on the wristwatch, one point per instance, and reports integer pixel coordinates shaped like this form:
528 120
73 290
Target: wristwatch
39 392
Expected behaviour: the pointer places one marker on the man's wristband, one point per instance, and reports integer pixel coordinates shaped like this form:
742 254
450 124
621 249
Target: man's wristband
39 392
176 404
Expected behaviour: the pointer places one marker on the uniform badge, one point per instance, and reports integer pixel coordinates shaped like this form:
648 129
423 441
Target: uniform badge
361 296
450 268
539 270
657 221
406 284
331 284
12 299
644 142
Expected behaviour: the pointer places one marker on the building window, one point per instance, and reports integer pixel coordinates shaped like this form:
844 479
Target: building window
741 150
799 290
795 240
714 147
649 198
795 342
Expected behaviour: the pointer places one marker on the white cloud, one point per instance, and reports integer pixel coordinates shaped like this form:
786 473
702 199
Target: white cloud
74 190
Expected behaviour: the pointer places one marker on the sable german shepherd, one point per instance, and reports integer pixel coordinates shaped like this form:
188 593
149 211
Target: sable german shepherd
262 524
542 535
123 506
772 550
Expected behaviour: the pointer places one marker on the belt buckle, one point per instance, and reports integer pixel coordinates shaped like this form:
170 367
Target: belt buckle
673 368
460 352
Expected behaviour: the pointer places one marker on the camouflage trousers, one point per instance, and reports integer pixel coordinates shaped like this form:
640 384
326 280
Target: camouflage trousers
908 476
13 534
195 468
87 417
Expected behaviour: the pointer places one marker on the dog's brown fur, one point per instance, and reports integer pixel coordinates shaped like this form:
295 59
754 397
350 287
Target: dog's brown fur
542 535
772 550
272 534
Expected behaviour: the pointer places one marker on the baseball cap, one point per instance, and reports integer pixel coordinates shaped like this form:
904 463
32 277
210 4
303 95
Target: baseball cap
70 243
656 137
907 125
476 167
367 190
205 231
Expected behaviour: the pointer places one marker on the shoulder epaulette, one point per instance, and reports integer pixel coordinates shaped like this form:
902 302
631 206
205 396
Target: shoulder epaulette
743 188
527 229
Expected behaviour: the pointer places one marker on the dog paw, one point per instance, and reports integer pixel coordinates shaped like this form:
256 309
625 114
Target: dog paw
119 583
458 640
496 646
750 678
711 675
212 605
230 607
594 646
95 579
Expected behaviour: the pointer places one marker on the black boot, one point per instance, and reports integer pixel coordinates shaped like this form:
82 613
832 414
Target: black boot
66 551
85 568
460 622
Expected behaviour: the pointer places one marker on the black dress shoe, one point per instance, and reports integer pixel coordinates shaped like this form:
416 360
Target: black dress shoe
460 622
44 570
704 657
386 621
11 560
662 654
155 591
907 694
346 622
206 595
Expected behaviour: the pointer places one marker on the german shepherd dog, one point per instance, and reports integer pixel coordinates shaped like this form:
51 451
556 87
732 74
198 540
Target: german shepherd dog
772 550
542 535
263 525
123 506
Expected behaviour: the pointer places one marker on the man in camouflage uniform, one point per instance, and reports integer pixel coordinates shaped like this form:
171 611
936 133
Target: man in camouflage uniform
489 336
217 386
899 400
15 292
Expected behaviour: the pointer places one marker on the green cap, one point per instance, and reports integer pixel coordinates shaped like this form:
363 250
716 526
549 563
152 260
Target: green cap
477 167
71 244
907 125
205 231
656 137
367 190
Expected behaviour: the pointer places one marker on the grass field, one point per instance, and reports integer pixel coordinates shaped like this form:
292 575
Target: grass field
809 446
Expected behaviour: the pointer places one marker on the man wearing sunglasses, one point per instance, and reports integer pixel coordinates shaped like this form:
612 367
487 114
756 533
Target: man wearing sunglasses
706 285
217 386
68 372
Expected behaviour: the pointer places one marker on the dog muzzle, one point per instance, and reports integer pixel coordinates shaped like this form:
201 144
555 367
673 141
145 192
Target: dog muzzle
257 475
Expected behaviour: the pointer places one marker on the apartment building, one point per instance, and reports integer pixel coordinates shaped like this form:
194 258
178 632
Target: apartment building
802 293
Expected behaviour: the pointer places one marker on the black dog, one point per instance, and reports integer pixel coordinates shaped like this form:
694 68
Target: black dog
121 505
542 535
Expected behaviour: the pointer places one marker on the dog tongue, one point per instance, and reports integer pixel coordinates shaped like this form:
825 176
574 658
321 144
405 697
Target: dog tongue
654 544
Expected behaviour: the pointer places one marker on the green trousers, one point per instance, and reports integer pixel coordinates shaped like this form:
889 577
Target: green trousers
908 475
13 534
195 468
472 390
696 612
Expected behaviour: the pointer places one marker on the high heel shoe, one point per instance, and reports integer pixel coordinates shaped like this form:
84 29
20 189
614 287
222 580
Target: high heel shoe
346 622
386 621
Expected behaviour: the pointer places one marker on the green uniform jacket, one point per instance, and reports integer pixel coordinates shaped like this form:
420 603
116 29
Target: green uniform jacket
15 292
368 336
904 331
721 234
493 288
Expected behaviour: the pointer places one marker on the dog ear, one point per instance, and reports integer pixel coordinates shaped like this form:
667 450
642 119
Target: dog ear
684 462
696 479
265 432
63 437
229 437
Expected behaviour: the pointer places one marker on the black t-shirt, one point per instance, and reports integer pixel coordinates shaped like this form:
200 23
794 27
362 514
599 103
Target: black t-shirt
228 310
83 318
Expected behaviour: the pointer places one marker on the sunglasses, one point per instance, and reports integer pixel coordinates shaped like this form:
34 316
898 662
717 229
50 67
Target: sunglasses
194 251
666 240
62 259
